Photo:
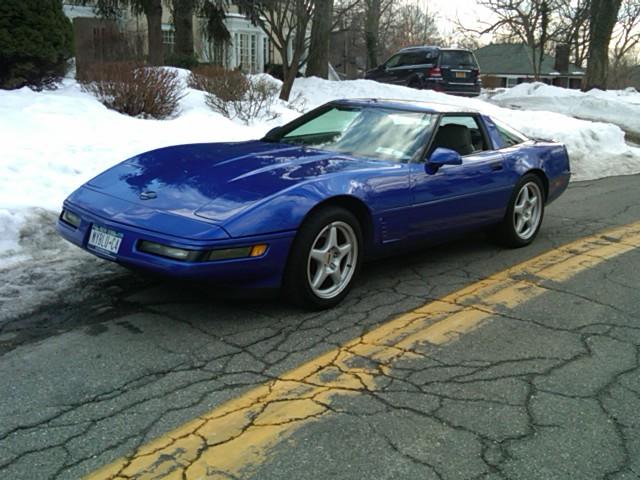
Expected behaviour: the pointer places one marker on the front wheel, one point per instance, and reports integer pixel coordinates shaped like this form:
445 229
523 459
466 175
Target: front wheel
324 259
524 213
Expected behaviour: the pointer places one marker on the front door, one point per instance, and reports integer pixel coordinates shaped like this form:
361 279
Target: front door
456 198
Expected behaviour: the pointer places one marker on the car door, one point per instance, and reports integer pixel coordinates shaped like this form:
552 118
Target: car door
386 72
456 198
406 67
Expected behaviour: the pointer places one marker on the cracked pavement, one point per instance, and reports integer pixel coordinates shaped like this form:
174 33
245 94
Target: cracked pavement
546 388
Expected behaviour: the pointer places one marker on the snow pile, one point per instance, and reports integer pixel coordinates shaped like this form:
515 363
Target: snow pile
620 107
596 149
53 141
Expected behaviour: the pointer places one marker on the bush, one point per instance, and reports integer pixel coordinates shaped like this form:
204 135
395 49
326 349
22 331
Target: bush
36 40
179 60
134 89
233 94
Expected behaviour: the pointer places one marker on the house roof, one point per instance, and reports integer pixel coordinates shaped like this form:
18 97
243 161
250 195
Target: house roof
513 59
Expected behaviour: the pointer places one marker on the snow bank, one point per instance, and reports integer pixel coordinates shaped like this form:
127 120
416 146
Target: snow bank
620 107
53 141
596 149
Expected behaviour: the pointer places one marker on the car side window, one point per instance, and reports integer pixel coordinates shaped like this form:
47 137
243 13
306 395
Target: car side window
509 136
393 61
410 58
461 133
415 58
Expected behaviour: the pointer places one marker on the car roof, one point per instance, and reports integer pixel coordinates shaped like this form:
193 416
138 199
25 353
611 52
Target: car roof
407 105
433 47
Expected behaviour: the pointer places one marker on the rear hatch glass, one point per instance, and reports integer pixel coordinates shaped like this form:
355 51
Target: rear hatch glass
458 65
457 58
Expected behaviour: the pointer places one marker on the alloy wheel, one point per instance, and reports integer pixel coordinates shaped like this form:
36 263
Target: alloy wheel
332 260
527 211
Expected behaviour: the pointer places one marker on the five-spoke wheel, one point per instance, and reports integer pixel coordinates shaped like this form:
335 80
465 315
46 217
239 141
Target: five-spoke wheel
324 259
524 213
332 259
527 211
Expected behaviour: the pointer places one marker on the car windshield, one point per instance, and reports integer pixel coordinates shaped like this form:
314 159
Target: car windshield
374 132
458 58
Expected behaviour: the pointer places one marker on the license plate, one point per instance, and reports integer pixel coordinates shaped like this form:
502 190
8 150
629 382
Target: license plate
104 239
461 74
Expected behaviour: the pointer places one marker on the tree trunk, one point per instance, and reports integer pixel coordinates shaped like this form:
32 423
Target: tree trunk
302 12
372 28
290 72
318 62
153 12
603 17
183 23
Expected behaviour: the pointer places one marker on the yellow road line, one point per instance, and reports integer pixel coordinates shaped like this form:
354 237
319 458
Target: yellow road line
236 436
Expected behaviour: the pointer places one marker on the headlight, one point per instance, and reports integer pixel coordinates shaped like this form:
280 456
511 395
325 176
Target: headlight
169 252
199 255
70 218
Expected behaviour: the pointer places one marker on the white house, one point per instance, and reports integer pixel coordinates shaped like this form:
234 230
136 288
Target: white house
249 48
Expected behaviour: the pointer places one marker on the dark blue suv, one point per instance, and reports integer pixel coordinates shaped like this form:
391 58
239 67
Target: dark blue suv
449 70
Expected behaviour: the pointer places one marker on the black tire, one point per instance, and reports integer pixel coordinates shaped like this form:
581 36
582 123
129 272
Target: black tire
297 287
415 83
506 233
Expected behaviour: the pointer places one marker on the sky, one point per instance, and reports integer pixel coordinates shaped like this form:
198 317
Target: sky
468 11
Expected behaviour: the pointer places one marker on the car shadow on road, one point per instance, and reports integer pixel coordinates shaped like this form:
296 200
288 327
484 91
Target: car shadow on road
386 287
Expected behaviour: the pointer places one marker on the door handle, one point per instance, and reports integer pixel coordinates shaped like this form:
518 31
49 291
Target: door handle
496 166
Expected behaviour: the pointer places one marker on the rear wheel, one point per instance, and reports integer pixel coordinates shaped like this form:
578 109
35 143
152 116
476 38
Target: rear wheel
415 83
524 213
324 259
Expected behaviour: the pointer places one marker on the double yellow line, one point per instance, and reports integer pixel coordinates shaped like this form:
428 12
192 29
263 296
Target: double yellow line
238 435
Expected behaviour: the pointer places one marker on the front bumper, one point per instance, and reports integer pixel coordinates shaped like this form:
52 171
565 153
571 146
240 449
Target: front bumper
263 272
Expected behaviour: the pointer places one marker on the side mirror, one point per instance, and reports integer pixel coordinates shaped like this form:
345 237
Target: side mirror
272 133
442 156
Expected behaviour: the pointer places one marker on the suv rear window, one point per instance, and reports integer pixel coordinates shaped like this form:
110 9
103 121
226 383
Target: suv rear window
458 58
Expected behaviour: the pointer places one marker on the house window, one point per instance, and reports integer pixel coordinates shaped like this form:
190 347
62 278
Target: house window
265 49
246 46
168 38
218 53
511 82
254 53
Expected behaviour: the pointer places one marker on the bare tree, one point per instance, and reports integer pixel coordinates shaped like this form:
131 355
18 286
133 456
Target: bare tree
573 28
285 22
602 16
374 10
318 61
183 11
151 9
213 12
621 72
626 33
531 22
372 30
412 24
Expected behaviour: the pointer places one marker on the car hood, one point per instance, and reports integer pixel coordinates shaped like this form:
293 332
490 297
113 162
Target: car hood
218 180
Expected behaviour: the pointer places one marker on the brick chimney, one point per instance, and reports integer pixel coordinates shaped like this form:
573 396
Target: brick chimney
561 63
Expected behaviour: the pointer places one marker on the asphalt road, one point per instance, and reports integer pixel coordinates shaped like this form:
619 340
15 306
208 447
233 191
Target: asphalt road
547 388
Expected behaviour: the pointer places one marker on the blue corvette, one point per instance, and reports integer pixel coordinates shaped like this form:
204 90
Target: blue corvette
300 209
